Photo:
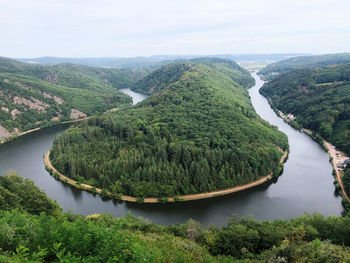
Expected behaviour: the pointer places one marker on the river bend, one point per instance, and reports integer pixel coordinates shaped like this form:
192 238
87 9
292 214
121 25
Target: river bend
306 184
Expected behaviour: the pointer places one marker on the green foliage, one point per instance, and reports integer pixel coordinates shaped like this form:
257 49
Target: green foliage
140 200
310 236
199 133
303 62
315 251
22 194
170 73
346 179
102 238
229 68
115 77
161 78
104 194
163 200
93 239
319 98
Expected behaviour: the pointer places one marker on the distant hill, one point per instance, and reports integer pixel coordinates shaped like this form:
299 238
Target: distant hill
229 68
302 62
167 74
152 61
319 98
197 132
135 62
75 76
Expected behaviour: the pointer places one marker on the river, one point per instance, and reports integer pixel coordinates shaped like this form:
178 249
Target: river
306 184
136 97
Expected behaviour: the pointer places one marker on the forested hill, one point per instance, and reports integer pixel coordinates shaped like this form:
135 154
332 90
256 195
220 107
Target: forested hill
76 76
319 98
303 62
230 68
199 133
161 77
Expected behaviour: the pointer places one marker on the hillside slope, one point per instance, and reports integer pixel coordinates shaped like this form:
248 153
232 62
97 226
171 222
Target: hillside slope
198 133
319 98
303 62
27 102
229 68
161 77
31 96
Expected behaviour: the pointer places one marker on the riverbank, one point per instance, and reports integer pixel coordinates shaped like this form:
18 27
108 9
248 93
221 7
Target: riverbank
128 198
335 156
333 153
15 136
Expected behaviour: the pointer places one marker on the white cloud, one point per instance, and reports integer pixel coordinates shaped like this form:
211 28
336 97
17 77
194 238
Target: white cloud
131 28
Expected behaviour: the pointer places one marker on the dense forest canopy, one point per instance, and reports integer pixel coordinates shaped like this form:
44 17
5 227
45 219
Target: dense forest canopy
170 73
33 229
21 194
319 98
198 133
303 62
229 68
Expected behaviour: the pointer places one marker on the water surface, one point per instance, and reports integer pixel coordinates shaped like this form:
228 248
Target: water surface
136 97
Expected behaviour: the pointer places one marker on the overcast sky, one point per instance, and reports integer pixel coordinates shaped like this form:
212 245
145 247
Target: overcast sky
93 28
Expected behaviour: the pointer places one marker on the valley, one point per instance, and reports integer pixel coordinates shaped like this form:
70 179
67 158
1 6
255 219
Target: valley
174 131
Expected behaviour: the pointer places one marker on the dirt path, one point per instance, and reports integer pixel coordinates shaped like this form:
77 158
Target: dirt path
170 199
333 153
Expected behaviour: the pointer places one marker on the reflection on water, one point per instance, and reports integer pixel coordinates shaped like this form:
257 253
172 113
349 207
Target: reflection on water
136 97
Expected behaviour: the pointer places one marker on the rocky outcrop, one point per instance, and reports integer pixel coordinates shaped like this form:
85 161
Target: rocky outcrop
76 114
15 112
18 84
4 134
34 104
58 100
47 95
5 109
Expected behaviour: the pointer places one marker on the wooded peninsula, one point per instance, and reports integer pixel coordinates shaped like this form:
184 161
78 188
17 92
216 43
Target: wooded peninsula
197 132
